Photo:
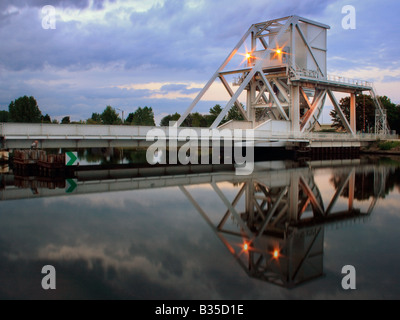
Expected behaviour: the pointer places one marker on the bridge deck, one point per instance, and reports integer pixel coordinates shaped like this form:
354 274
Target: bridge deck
22 135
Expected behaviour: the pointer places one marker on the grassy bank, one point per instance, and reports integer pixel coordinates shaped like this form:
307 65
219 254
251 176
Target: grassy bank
388 147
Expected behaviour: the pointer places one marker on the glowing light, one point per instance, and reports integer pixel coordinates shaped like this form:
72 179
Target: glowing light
276 254
246 247
279 51
248 55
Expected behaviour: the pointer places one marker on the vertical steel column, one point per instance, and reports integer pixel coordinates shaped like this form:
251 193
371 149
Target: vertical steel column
252 87
294 109
353 112
293 45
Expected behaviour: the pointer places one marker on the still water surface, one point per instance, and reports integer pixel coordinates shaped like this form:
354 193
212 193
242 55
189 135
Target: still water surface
125 235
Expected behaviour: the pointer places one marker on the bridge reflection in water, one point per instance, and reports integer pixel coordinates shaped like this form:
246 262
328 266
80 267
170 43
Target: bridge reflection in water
273 226
279 236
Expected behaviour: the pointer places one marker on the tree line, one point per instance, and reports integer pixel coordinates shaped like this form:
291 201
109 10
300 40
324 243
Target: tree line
25 109
365 111
203 120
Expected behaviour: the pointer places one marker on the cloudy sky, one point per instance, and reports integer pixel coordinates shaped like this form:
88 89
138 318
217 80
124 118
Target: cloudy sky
160 53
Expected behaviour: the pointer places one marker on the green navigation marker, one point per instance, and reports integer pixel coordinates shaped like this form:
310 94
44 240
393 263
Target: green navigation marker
71 158
70 185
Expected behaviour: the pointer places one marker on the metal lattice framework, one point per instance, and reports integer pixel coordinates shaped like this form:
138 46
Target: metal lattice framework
284 79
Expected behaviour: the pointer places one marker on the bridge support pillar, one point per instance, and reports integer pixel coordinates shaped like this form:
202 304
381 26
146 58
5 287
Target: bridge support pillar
353 112
294 112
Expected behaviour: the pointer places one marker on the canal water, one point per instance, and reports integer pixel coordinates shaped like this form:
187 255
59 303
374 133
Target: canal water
284 232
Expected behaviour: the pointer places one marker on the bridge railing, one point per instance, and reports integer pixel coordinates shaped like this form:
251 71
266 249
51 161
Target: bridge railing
301 72
340 79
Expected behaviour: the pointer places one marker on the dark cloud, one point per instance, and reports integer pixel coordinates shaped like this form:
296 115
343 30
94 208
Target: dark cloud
80 4
173 35
175 41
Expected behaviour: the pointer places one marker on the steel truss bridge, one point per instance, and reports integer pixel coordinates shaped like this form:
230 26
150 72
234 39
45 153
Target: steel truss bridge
280 70
282 74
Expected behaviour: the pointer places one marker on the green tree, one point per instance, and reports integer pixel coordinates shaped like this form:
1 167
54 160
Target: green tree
198 120
213 114
46 119
65 120
216 110
4 115
365 113
129 119
188 121
393 113
235 114
171 117
110 116
24 109
143 117
94 119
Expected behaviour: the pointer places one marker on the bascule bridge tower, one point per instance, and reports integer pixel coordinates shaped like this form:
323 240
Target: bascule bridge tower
280 81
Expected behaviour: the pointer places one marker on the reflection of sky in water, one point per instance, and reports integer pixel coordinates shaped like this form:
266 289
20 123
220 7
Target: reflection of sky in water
153 244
